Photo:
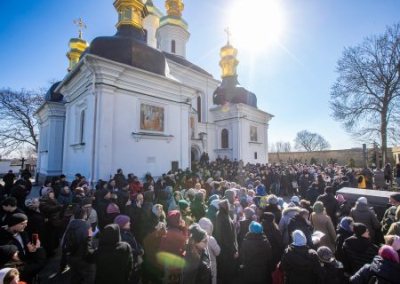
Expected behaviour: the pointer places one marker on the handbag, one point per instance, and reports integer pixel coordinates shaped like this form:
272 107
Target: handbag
278 276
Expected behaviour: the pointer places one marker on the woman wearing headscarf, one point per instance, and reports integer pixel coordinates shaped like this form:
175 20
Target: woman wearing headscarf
301 263
274 236
213 247
322 222
197 260
344 207
255 256
113 258
383 269
344 231
226 238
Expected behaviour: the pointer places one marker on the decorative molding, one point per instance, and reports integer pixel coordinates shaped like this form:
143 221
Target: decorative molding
147 135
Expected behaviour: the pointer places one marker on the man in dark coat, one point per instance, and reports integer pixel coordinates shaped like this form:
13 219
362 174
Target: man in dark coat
330 203
74 246
344 231
300 222
255 257
104 196
8 208
301 263
8 180
358 249
226 238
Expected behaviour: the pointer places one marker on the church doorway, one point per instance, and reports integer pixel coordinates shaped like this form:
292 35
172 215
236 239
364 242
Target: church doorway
195 153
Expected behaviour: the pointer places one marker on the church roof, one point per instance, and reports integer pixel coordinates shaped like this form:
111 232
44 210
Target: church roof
182 61
230 91
52 96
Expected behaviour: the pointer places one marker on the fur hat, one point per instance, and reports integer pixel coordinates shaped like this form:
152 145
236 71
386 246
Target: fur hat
121 220
16 219
255 228
299 239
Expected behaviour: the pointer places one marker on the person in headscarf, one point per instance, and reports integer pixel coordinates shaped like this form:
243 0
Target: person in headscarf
226 238
362 213
301 263
197 260
255 256
383 269
333 269
274 236
344 231
344 207
197 207
322 222
244 225
113 258
213 247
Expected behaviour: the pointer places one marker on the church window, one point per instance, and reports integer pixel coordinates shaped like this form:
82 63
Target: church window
145 35
173 46
82 128
199 108
255 155
224 139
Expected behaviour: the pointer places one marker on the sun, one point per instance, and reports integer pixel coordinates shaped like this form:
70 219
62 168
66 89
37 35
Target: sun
256 25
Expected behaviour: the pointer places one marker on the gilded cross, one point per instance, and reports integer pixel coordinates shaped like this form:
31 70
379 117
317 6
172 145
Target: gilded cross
81 25
228 33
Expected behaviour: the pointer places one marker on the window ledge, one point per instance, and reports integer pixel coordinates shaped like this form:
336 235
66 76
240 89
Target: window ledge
147 135
77 146
254 142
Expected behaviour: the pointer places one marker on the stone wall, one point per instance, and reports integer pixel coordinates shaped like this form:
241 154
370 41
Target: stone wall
341 156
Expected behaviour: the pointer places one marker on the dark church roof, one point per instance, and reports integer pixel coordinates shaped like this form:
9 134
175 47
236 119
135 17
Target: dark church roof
230 91
52 96
182 61
128 46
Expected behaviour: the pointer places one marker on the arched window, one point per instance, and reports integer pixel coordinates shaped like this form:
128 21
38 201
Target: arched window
224 139
82 128
199 108
145 34
173 46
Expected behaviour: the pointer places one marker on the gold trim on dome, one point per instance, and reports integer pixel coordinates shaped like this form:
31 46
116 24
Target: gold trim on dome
129 12
174 7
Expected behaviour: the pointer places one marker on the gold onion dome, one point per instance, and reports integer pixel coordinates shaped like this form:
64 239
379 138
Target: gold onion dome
228 61
77 46
174 7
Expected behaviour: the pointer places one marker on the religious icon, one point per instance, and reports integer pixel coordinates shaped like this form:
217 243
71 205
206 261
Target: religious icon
253 133
151 118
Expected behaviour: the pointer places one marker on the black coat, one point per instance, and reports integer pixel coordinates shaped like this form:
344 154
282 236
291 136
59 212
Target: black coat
299 223
256 259
275 210
113 258
382 269
341 236
357 253
197 271
301 265
333 273
275 239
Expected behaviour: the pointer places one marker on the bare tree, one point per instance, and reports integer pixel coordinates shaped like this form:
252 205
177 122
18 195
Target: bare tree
287 147
365 96
306 140
18 128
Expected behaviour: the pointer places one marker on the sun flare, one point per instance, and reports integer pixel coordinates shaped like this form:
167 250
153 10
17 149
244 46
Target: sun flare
256 24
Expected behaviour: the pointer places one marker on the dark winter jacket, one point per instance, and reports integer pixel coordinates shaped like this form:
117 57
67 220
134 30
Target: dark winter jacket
135 214
212 214
357 253
197 207
299 223
36 223
113 258
361 213
74 239
312 195
331 206
385 271
243 230
197 270
276 210
256 259
341 236
275 239
101 210
51 210
301 265
333 273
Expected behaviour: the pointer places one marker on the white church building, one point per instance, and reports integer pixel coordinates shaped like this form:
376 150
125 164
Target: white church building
133 101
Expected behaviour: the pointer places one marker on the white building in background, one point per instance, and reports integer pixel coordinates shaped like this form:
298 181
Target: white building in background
133 101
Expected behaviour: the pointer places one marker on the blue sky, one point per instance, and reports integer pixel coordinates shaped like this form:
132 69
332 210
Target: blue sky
291 78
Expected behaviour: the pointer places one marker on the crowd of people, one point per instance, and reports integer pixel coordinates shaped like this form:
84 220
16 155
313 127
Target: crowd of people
220 222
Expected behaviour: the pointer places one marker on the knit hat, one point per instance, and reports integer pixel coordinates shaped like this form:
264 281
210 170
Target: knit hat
295 199
299 239
121 220
3 274
173 218
197 233
206 225
325 254
272 199
318 207
359 229
112 208
255 228
215 203
345 224
396 196
340 199
363 200
183 204
6 253
248 213
387 252
16 219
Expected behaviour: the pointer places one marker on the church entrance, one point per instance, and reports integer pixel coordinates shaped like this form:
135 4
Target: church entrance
195 154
